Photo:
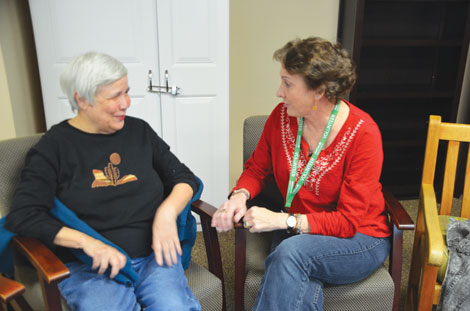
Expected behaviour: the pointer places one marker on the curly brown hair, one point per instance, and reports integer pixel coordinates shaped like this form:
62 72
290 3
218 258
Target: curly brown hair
321 63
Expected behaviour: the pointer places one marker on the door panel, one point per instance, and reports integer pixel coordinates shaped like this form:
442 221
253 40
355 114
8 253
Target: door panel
193 41
123 29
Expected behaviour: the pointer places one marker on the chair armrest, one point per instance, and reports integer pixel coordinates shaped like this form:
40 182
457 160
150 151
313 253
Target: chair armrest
211 240
401 220
399 216
48 266
433 229
203 209
10 289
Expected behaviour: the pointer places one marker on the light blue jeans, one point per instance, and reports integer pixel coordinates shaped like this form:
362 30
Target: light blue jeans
299 266
158 288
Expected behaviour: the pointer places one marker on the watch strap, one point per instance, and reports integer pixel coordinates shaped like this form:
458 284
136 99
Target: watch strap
290 228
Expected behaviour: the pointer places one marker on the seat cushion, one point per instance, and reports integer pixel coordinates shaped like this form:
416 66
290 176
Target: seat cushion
373 293
444 221
206 287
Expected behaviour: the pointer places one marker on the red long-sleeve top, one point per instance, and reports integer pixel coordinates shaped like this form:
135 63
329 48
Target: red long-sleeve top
342 194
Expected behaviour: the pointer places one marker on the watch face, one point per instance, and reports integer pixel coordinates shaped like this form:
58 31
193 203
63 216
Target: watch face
291 221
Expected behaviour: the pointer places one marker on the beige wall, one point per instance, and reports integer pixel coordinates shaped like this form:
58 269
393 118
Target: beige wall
257 29
20 69
7 126
463 115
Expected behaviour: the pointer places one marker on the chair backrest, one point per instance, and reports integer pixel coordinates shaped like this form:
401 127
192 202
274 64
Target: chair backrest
270 196
252 129
454 134
12 156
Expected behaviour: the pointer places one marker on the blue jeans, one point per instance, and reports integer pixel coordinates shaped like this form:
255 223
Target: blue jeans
298 267
158 288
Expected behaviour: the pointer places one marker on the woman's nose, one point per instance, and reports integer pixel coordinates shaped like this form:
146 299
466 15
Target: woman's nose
125 102
280 93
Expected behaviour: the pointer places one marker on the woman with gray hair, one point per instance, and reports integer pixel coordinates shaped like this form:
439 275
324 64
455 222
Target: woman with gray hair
121 179
326 156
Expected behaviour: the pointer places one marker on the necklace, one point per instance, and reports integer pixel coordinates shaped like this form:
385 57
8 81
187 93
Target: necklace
293 188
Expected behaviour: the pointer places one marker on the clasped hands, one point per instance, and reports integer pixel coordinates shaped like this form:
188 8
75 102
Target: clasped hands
255 219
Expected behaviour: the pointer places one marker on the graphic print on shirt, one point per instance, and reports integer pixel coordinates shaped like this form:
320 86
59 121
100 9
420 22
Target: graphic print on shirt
110 175
324 163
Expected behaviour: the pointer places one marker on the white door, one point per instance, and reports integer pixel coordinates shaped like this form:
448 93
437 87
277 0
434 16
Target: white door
188 38
193 45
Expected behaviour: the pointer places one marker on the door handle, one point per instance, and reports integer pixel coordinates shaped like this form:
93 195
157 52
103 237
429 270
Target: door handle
173 90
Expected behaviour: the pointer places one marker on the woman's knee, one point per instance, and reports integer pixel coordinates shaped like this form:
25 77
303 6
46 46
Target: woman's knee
287 253
172 300
100 296
165 288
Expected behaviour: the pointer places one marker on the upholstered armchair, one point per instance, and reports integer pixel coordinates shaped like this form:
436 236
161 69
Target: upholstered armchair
380 291
39 270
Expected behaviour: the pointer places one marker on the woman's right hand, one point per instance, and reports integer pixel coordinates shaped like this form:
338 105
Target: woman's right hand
104 256
230 212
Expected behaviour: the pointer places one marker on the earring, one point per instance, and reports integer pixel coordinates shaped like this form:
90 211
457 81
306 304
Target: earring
314 108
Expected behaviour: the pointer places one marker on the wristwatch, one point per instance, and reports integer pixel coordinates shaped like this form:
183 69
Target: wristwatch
291 221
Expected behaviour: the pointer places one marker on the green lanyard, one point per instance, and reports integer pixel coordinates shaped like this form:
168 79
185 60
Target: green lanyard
291 190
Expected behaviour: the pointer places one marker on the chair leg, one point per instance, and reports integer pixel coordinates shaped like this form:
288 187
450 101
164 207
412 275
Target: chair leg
395 265
51 295
23 304
416 263
213 255
240 262
16 304
426 291
422 278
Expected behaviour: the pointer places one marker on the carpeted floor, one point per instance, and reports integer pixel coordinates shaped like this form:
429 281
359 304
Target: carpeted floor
227 243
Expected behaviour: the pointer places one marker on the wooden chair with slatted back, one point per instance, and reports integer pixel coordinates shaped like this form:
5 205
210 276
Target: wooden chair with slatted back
429 248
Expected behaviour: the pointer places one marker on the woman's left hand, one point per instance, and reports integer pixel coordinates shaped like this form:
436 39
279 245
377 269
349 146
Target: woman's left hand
260 219
165 242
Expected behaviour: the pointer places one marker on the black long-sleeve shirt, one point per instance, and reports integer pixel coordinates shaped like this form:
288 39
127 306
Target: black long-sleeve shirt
113 182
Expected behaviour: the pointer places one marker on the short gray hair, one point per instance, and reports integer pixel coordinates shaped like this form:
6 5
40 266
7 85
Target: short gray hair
87 73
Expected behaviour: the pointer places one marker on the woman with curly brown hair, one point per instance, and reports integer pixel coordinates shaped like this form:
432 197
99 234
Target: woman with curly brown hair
326 157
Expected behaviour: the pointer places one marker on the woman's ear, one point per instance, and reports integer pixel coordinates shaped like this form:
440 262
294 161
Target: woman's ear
82 102
319 92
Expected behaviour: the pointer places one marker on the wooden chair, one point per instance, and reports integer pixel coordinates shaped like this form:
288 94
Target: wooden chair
429 245
380 291
40 270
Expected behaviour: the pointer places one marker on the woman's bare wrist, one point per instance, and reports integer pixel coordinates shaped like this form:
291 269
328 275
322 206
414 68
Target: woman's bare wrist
238 197
241 191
